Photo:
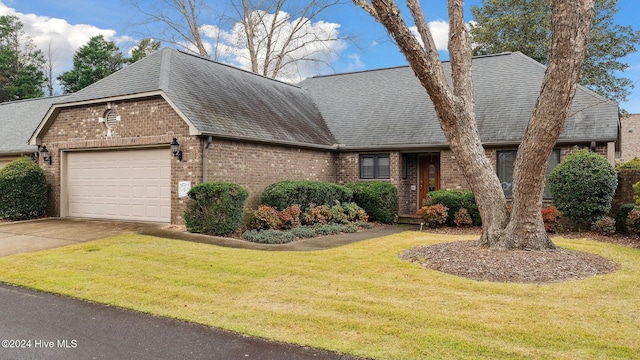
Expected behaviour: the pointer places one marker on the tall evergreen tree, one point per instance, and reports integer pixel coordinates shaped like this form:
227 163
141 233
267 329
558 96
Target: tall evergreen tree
21 63
525 26
92 62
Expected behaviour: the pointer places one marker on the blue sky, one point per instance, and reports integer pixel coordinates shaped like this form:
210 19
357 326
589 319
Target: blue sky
65 25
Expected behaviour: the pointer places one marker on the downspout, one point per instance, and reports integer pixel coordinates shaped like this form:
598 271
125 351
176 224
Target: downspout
205 162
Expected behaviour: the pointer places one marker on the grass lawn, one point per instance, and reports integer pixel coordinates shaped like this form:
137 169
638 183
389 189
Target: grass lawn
359 299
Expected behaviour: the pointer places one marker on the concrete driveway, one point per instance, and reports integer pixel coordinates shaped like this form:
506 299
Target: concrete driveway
41 234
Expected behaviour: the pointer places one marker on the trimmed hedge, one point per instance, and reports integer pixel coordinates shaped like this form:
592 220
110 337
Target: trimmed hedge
582 186
215 208
456 200
23 190
379 199
284 194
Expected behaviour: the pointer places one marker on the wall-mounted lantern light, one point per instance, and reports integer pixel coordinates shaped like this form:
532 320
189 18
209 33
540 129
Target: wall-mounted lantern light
45 154
175 149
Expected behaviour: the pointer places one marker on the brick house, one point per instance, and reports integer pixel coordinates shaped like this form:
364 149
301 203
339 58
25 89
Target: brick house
630 137
108 151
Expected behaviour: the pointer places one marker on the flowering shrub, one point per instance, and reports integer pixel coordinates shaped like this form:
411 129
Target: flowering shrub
434 215
354 212
605 226
462 218
633 221
317 214
289 218
264 218
551 217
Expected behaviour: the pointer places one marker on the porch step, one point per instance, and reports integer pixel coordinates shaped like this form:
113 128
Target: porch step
409 219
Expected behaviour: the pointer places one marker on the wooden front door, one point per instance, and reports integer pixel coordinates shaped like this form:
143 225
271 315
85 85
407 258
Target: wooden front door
429 176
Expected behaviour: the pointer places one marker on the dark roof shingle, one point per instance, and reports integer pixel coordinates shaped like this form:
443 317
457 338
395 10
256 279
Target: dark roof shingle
389 107
18 120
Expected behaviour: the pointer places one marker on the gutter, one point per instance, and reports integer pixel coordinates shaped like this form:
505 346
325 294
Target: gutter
273 142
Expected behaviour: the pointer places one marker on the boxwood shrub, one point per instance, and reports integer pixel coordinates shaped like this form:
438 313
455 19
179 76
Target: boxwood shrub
23 190
582 186
378 198
215 208
284 194
456 200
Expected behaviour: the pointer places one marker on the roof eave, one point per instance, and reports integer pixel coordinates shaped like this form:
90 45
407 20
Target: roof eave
295 144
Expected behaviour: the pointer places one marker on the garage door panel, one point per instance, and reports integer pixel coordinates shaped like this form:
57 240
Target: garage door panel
125 185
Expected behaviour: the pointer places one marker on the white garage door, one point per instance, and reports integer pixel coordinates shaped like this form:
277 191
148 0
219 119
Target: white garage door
124 185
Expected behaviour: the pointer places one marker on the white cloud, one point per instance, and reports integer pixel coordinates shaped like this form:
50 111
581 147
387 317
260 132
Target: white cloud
317 42
61 37
439 32
355 63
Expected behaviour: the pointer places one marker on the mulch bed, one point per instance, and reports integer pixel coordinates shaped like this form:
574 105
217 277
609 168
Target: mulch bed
467 259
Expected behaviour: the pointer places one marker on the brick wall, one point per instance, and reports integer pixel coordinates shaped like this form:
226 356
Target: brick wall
624 191
258 165
630 137
408 187
148 122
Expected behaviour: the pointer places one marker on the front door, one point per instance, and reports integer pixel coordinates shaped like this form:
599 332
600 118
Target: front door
429 176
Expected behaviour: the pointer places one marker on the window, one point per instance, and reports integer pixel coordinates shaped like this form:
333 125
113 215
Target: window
374 166
506 160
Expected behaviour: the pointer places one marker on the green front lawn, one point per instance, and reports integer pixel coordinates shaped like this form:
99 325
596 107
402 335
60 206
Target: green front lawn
358 299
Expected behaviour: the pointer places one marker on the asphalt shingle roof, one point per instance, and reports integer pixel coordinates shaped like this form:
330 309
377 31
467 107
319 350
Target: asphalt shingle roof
376 108
219 99
389 107
18 120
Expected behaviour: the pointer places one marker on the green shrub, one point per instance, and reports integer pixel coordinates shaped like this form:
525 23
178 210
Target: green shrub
23 190
433 215
303 232
379 199
621 218
327 229
455 200
631 164
269 236
605 226
462 218
338 214
363 225
354 212
303 193
582 186
263 218
215 208
633 221
551 218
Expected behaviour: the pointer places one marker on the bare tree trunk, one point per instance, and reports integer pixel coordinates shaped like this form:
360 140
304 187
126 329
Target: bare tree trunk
456 113
48 69
571 22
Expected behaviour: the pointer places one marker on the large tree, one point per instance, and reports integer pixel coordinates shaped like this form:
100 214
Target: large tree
96 60
525 25
269 37
570 24
21 63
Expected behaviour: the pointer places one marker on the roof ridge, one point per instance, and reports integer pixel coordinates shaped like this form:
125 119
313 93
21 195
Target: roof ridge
403 66
165 70
235 68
